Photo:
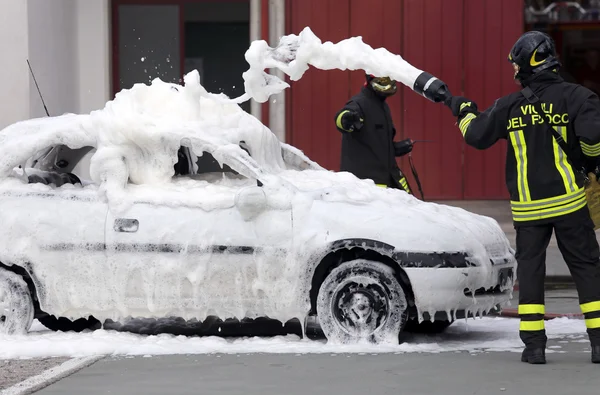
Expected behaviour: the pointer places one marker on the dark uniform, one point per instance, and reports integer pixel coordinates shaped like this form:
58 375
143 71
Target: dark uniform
546 187
368 147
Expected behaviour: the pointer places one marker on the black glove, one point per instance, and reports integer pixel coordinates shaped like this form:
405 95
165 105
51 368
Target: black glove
403 147
351 121
460 105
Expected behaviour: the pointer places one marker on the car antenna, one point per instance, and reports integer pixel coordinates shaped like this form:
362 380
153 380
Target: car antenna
38 88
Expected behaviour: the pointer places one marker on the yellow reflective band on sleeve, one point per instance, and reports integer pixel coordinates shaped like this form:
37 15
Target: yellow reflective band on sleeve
465 122
338 121
517 139
560 161
592 323
464 105
590 307
381 185
531 326
404 184
592 150
532 309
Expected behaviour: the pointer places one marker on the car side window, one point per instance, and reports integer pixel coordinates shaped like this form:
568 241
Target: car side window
189 164
59 165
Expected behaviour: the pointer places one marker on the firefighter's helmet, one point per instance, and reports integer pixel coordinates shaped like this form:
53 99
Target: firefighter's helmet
383 85
533 52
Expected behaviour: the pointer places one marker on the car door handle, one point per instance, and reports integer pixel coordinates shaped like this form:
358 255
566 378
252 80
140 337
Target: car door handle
129 225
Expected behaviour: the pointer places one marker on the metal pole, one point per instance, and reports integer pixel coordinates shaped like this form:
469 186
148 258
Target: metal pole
255 29
277 102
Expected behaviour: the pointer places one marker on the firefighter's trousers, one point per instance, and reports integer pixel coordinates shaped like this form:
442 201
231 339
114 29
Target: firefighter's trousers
578 245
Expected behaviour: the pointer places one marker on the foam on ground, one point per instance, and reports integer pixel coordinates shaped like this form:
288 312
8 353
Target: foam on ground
486 334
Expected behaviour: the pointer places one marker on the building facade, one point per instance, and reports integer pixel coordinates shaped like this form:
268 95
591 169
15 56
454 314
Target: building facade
84 51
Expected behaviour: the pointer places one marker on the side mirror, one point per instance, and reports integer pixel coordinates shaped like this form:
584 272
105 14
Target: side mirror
250 202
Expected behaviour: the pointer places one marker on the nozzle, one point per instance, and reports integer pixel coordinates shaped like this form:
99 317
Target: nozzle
432 88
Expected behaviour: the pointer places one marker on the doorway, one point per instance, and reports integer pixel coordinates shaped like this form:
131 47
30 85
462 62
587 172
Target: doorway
166 39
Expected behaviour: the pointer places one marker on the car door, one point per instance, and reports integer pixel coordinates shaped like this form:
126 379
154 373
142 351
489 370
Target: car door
57 232
198 247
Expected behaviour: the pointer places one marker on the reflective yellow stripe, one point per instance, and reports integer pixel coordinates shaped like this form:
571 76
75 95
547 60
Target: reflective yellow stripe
381 185
404 184
550 212
465 104
560 161
592 323
532 325
338 121
532 309
590 149
548 202
590 307
465 122
517 139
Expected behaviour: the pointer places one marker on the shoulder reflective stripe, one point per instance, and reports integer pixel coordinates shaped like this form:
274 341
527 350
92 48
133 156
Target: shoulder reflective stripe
549 213
517 139
592 323
338 121
548 202
531 326
590 307
590 150
532 309
465 104
465 122
562 165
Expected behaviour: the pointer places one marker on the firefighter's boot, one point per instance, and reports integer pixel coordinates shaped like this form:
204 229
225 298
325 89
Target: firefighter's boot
534 356
595 354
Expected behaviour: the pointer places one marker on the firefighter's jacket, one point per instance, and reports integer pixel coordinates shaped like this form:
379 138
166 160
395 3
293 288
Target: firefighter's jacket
369 153
543 184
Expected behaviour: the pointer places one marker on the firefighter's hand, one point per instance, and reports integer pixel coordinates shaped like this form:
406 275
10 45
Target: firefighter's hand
351 121
403 147
460 105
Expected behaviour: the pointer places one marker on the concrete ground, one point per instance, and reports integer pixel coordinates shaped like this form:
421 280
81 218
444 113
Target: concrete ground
457 373
556 268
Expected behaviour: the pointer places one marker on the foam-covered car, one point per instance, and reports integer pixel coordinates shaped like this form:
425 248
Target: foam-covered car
173 202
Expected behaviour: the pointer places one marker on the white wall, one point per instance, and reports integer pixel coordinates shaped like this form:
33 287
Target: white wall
67 43
53 56
94 62
14 89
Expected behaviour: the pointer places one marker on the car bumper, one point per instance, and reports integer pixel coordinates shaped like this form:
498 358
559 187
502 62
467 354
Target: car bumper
452 293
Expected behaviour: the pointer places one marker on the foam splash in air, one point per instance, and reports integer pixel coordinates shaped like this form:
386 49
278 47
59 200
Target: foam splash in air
295 53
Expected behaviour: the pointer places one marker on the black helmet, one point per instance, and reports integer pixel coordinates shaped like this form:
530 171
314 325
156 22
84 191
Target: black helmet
533 52
384 86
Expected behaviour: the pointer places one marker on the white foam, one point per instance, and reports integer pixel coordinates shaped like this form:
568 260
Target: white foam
485 334
295 53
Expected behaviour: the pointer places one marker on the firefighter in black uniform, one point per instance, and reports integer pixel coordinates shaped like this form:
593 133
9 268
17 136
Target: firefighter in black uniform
546 185
368 147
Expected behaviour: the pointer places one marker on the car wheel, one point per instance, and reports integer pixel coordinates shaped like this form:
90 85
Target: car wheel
361 300
16 305
66 325
427 326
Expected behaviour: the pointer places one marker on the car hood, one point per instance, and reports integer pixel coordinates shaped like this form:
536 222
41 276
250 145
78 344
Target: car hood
349 208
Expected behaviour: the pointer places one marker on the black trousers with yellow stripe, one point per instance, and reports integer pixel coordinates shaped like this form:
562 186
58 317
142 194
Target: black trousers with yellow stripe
578 245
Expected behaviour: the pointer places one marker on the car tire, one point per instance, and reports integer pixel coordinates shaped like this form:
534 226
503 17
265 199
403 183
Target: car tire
360 301
16 304
63 324
427 327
